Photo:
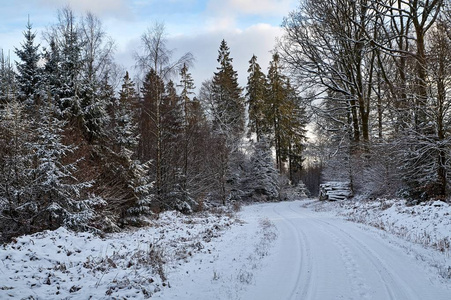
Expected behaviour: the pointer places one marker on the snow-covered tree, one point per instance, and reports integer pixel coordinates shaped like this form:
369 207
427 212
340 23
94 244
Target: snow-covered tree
256 98
51 76
95 91
224 145
286 119
66 44
126 185
8 82
222 99
15 153
55 191
28 72
228 101
77 64
124 126
187 86
158 104
261 179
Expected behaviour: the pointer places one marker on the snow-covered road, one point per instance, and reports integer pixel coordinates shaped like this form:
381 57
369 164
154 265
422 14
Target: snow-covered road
318 256
275 251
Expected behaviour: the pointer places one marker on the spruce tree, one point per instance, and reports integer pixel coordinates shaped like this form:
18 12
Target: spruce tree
52 76
129 182
287 118
276 98
187 85
156 61
226 105
93 97
29 73
149 120
124 126
56 193
15 160
293 124
173 151
229 117
69 47
256 98
95 91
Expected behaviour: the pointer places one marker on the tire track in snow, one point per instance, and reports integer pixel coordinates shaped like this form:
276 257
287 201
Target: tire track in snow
395 288
302 287
360 288
359 285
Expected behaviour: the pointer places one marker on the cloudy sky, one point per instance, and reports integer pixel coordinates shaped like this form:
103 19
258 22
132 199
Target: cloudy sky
198 26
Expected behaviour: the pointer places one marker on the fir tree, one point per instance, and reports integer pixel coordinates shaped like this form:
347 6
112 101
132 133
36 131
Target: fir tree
287 118
51 73
187 85
256 93
189 125
129 186
174 190
152 87
69 46
93 115
56 192
276 98
223 96
294 123
124 125
29 73
227 95
15 137
95 91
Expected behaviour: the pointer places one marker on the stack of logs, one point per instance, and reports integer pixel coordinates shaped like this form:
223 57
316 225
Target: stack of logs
335 190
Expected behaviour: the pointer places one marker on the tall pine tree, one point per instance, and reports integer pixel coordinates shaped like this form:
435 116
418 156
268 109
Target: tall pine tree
226 105
256 98
287 118
229 118
187 86
57 195
129 185
15 137
29 73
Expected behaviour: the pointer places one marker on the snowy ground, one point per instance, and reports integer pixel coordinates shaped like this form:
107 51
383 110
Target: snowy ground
287 250
427 224
66 265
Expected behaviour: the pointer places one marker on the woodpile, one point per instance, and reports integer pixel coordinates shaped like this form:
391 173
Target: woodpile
335 190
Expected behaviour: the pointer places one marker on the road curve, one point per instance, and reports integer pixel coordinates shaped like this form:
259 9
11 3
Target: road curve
323 257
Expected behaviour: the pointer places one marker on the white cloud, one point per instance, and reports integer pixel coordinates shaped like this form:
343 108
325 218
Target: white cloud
252 7
226 14
99 7
258 39
220 23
